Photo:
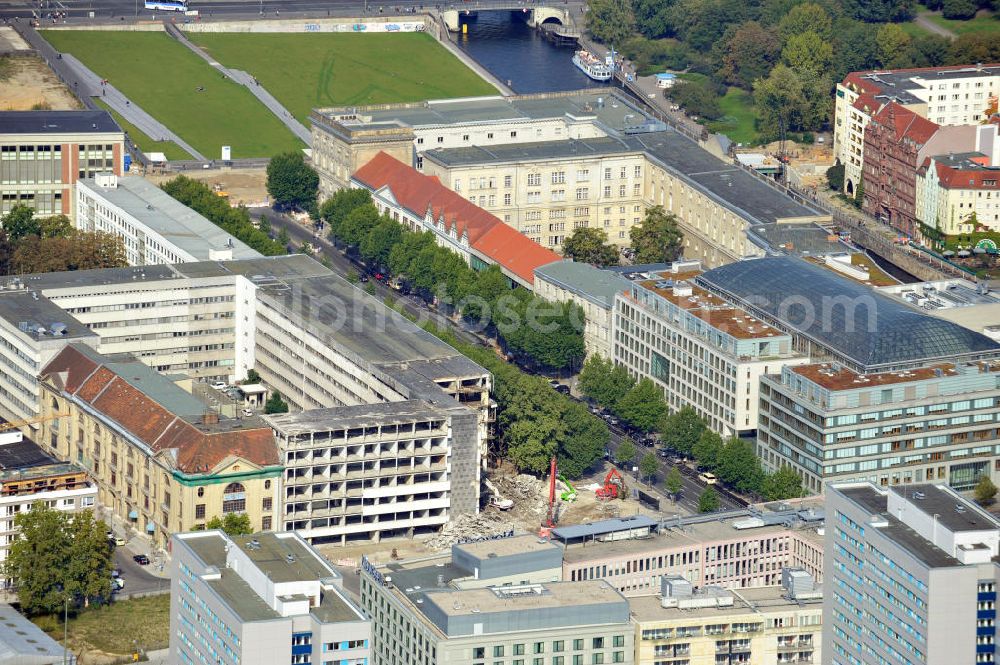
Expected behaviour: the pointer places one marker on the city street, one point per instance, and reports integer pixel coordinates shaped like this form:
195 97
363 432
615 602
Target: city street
137 578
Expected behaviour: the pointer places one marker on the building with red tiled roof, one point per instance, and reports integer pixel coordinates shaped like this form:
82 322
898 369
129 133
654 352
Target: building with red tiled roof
947 96
163 461
960 193
896 142
423 204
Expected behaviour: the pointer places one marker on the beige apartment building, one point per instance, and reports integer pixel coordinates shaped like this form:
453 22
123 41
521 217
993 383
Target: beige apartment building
162 461
550 163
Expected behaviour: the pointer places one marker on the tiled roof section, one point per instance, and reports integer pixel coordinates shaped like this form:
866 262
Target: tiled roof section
967 178
486 233
905 124
197 449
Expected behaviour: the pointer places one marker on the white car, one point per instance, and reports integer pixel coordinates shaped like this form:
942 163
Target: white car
708 478
220 385
247 413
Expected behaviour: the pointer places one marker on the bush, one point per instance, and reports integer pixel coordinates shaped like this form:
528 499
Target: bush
958 9
835 177
698 98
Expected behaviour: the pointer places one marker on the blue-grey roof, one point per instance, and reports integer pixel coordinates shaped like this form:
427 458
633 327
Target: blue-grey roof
866 328
57 122
23 643
582 279
592 529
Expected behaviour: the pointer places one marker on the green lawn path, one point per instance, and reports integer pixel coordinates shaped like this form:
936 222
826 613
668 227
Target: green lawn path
163 77
987 24
146 144
306 71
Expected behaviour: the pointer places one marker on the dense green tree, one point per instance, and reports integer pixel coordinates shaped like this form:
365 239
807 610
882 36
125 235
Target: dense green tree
893 46
701 23
590 245
658 239
807 17
880 11
235 221
673 483
604 382
379 241
625 453
6 252
610 21
490 285
275 404
835 177
854 49
748 52
21 222
985 491
653 18
234 524
708 502
252 377
929 50
959 10
698 98
58 556
708 449
787 101
739 466
292 182
808 54
57 226
532 425
648 466
358 224
585 440
336 208
784 483
642 406
681 430
974 47
81 250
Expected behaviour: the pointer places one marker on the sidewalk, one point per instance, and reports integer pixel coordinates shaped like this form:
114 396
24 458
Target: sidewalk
135 543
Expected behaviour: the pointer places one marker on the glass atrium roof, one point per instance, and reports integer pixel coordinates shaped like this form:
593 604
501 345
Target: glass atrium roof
867 329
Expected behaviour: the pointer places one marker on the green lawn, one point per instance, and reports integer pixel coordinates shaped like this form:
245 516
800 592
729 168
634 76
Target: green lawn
146 144
163 77
914 30
989 24
305 71
112 628
738 117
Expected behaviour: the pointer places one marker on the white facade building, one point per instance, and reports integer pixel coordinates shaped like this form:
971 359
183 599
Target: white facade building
154 227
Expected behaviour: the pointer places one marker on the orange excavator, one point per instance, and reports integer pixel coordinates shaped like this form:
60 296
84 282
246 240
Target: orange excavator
614 486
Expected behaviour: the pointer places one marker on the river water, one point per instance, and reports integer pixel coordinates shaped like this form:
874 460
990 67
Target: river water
513 52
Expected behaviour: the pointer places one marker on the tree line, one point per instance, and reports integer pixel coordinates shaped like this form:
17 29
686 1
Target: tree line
235 221
640 404
657 240
787 53
32 244
549 334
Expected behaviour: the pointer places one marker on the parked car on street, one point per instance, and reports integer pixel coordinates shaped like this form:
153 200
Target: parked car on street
708 478
220 385
141 559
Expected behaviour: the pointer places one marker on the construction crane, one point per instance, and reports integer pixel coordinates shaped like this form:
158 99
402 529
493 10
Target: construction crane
30 421
550 517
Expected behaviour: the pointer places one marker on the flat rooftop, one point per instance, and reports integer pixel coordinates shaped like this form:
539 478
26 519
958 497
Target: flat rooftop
898 84
549 151
179 225
753 602
37 472
269 552
57 122
31 313
519 544
589 282
832 376
551 595
936 500
347 417
23 455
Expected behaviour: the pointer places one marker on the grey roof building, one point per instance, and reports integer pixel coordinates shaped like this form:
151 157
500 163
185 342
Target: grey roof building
913 575
493 600
155 227
270 598
24 643
57 122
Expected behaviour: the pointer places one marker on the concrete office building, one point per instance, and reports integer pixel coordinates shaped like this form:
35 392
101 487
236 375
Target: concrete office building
967 303
566 168
24 643
260 599
957 95
163 460
29 477
911 576
699 349
44 153
494 601
957 193
367 471
32 331
154 227
891 394
592 289
740 550
715 626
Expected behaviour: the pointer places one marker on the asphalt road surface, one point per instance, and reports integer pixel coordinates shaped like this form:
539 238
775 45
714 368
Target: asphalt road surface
137 578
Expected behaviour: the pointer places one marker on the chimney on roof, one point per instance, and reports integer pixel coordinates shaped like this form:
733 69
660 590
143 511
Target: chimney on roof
210 418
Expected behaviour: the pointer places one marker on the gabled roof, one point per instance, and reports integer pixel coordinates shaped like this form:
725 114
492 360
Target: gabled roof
905 124
156 412
487 235
967 175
